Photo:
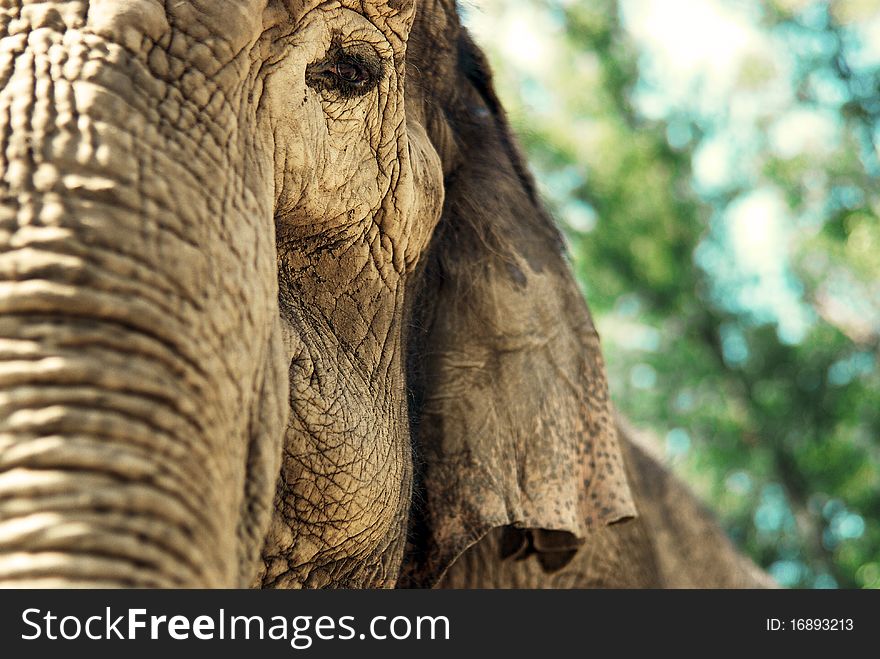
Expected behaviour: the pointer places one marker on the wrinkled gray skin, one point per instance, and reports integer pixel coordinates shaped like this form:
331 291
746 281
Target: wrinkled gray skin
674 543
209 257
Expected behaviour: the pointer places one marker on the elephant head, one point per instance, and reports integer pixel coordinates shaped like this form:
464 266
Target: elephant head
278 303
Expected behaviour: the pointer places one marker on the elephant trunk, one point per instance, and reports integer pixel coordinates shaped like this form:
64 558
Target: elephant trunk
100 441
118 465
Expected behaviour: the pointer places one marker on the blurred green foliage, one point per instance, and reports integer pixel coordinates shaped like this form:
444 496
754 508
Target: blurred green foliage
725 231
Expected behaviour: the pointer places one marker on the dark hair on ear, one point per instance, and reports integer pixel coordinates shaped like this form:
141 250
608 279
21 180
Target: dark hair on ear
474 67
492 207
489 163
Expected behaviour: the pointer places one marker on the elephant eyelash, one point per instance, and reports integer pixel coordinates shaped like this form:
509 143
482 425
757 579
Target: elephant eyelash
349 72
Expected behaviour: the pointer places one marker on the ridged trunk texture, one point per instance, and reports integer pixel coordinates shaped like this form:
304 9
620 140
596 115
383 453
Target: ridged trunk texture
131 369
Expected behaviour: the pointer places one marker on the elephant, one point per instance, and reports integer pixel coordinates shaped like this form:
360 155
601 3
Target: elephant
281 307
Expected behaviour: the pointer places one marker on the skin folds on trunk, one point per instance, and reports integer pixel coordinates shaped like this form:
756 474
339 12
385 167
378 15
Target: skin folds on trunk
137 293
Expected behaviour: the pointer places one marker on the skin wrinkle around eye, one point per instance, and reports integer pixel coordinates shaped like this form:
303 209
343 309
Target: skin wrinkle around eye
365 69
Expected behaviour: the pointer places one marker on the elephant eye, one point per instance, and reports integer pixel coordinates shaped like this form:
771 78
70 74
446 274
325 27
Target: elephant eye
350 72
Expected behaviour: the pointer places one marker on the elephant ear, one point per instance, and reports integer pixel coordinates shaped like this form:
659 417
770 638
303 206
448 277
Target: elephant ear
511 416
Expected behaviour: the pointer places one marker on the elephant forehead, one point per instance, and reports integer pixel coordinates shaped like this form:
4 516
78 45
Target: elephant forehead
385 7
224 29
128 21
397 14
234 24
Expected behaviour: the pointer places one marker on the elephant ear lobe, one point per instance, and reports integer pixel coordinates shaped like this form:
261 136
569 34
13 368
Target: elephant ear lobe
512 421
